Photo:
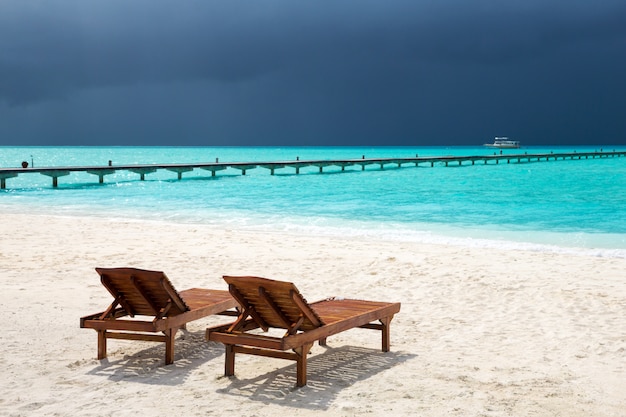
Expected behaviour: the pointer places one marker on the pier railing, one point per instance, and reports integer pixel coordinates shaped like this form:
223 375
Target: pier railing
143 169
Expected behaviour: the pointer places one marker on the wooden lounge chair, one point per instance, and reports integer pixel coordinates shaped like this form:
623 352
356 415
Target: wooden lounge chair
150 294
269 304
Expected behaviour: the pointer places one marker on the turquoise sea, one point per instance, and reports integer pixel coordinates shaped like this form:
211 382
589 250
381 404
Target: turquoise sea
565 205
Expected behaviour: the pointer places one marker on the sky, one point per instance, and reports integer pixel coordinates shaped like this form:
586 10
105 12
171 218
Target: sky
312 73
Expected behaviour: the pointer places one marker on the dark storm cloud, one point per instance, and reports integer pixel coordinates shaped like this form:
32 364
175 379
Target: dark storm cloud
315 72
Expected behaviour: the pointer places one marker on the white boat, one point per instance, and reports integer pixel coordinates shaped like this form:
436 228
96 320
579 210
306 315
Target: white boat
503 142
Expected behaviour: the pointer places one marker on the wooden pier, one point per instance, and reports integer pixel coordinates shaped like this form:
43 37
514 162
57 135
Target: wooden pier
143 169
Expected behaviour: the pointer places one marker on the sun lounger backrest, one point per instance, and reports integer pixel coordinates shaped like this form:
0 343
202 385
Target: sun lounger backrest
267 296
143 292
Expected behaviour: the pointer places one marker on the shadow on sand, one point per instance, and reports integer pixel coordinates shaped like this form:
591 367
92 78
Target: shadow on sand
148 366
328 373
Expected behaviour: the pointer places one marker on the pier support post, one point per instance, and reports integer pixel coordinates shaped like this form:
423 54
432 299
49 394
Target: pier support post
272 167
142 172
243 168
3 179
180 170
55 174
296 165
321 165
213 169
101 173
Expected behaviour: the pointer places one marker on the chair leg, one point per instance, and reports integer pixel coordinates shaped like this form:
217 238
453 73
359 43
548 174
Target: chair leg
229 367
102 344
302 353
170 335
386 334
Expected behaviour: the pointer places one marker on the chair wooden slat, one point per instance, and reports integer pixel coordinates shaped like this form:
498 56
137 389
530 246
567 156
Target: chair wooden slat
145 295
118 294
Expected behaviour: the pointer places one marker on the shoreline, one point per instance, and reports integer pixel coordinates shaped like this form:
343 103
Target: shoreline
507 240
497 332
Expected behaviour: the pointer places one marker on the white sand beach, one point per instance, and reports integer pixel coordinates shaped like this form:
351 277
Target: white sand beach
480 332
